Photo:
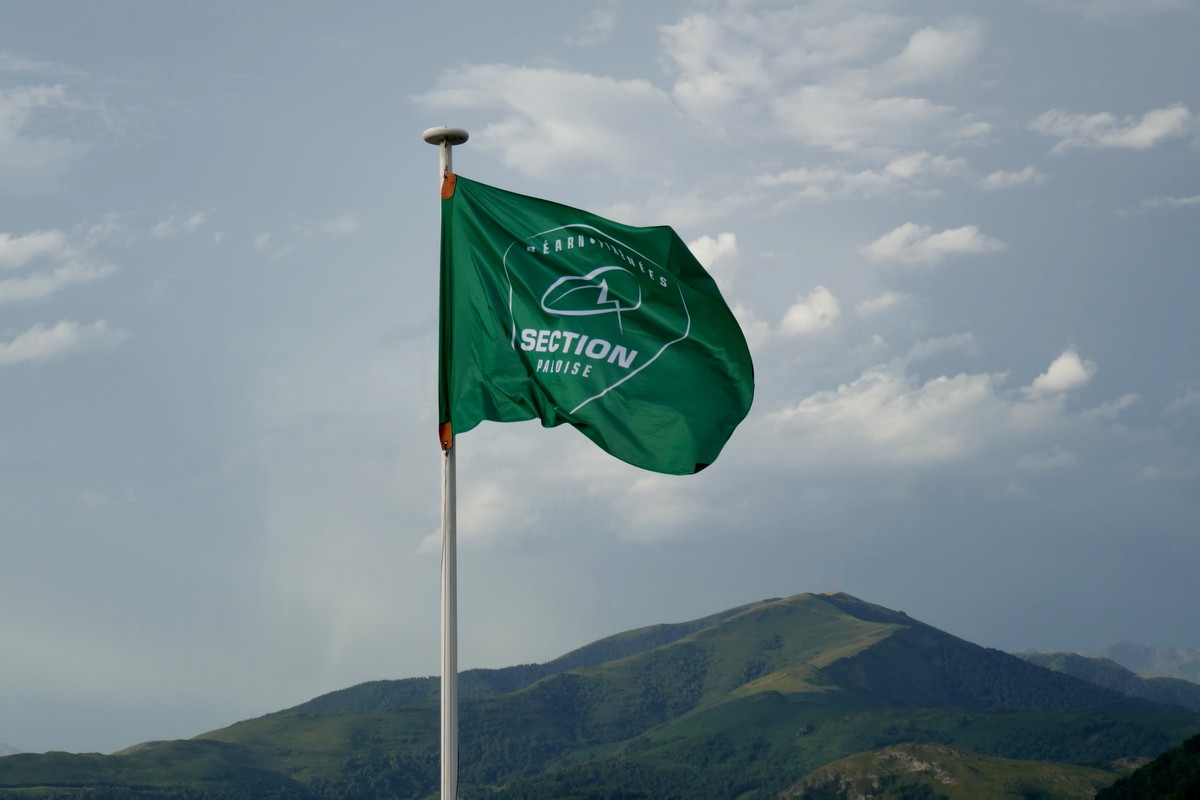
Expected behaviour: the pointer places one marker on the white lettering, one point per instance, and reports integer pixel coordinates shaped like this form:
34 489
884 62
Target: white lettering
578 344
597 349
622 356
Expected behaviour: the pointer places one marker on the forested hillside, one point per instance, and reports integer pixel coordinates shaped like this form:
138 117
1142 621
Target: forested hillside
741 704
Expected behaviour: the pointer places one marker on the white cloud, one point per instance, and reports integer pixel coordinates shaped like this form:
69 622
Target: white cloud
873 305
917 244
816 76
885 416
1106 9
1065 373
43 284
846 120
930 347
556 117
41 343
597 29
828 180
656 508
1189 400
1105 130
177 224
718 256
756 331
16 251
1001 179
1171 202
933 53
709 251
344 225
812 313
29 160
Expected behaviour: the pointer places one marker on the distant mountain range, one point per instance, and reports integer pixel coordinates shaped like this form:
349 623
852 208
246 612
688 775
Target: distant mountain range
1108 673
1166 662
793 697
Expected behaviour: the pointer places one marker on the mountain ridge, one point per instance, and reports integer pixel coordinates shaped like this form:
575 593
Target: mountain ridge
738 704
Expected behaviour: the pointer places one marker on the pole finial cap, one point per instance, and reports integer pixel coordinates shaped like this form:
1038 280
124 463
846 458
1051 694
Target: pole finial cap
451 136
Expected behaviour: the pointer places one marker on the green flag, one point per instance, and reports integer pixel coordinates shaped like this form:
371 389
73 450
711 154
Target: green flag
552 313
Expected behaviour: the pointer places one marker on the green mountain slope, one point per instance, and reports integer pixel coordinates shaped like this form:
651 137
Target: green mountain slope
1108 673
476 683
740 704
1174 774
937 771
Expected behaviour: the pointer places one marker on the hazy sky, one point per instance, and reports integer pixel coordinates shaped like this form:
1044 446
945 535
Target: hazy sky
963 240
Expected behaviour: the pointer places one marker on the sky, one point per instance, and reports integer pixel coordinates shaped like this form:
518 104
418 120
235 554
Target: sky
962 240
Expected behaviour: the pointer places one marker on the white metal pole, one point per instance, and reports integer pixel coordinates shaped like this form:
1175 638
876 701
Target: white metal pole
445 139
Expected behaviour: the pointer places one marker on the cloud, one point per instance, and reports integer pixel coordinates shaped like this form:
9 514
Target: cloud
827 180
555 117
1065 373
874 305
933 53
16 251
1104 130
718 256
917 244
10 62
1007 180
810 314
177 224
43 284
1171 202
885 416
344 225
846 120
1188 401
927 348
68 255
34 161
811 73
41 343
756 331
1107 9
596 30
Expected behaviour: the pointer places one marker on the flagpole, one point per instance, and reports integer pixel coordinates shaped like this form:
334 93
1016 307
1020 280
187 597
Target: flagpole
445 139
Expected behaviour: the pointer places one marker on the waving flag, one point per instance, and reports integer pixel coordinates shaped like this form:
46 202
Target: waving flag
552 313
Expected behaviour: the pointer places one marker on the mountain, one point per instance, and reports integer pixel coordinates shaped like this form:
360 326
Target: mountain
1108 673
8 749
1167 662
1174 774
938 771
477 683
740 704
